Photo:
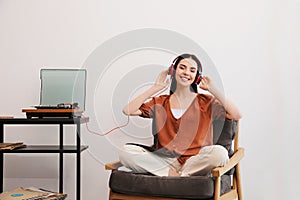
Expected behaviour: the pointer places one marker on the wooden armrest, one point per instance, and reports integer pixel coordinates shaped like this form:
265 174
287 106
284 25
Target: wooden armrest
113 165
234 160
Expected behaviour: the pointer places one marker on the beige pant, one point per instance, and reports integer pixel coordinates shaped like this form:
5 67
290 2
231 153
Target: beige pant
140 160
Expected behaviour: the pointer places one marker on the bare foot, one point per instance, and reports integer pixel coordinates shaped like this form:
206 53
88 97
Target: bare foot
173 172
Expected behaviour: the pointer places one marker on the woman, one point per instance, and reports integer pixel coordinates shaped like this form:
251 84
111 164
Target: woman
182 123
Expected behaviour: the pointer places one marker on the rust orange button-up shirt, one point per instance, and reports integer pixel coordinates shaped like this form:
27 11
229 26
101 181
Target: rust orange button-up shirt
187 134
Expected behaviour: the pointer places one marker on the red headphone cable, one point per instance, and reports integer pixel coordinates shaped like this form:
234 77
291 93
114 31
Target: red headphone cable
118 127
105 133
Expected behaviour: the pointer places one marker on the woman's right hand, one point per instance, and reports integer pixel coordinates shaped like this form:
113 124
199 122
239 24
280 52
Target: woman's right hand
162 81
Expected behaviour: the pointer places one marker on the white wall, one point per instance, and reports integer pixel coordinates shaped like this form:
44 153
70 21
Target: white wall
254 46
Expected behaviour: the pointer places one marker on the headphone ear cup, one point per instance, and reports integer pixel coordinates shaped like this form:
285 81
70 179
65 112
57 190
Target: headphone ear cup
198 79
171 70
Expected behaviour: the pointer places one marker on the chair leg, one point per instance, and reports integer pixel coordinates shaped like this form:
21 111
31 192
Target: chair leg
217 188
239 182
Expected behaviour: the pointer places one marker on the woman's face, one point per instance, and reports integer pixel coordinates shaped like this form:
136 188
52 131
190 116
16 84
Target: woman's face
186 72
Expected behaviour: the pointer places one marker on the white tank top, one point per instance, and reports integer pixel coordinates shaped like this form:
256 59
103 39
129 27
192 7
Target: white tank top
177 113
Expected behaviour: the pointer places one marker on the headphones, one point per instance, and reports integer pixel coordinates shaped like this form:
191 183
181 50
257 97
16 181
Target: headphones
198 77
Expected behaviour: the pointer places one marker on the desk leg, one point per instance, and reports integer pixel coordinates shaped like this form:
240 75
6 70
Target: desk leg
1 158
61 158
78 169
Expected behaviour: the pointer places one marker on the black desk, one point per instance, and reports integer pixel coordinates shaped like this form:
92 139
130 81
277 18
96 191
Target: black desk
60 148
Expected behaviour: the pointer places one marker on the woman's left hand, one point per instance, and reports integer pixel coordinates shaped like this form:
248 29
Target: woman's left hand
232 112
206 83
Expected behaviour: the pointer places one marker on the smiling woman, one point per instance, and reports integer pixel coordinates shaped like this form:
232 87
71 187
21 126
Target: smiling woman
182 123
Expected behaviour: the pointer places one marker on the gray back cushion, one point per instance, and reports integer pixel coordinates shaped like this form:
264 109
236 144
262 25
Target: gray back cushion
224 133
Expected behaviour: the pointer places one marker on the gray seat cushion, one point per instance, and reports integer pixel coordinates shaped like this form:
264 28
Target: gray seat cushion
194 187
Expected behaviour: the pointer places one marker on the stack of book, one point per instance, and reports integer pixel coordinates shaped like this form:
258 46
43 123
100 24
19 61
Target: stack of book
11 146
31 193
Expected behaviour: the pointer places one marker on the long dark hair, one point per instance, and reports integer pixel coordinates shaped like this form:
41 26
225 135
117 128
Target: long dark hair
193 86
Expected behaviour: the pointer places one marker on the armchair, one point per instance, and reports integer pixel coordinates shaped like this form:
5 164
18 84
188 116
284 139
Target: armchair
223 184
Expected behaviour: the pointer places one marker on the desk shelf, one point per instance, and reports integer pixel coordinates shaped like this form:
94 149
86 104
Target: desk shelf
46 149
59 149
49 120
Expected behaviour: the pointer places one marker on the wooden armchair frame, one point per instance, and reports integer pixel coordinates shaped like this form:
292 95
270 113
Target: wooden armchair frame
234 194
